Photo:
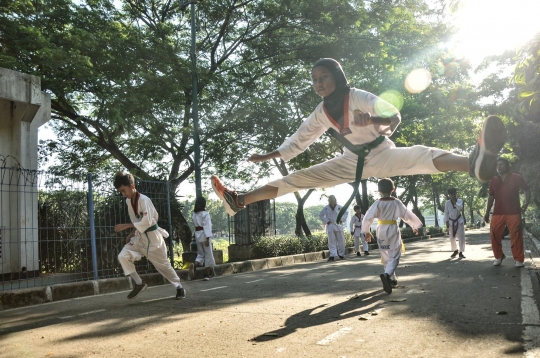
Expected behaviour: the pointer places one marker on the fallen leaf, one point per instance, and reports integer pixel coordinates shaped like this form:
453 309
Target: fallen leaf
362 318
501 312
353 297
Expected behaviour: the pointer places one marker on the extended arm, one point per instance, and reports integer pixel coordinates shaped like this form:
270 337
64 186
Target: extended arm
255 158
491 198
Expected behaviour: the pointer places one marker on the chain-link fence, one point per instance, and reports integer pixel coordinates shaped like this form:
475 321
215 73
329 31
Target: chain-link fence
55 229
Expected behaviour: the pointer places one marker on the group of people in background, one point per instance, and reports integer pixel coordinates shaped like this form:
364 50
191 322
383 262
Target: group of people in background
504 190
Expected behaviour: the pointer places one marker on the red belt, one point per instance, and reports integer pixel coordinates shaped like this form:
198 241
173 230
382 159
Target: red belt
198 228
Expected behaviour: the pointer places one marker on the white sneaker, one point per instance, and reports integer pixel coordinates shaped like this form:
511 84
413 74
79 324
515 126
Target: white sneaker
519 264
498 261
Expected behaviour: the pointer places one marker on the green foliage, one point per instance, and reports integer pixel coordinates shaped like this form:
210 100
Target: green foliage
282 245
527 77
286 217
432 230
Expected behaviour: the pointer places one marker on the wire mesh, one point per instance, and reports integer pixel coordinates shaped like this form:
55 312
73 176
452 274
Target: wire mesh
45 234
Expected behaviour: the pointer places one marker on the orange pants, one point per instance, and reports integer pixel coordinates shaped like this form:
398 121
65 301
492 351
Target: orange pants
515 226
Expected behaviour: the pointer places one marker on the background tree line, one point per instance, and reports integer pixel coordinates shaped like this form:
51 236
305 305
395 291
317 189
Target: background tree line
119 73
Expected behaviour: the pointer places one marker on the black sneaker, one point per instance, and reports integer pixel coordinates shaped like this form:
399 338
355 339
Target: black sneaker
387 285
136 290
342 257
358 254
180 293
206 278
229 197
366 253
393 283
331 258
461 256
454 254
483 159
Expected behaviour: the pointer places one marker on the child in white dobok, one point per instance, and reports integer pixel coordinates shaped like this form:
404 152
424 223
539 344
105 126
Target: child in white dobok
145 238
203 237
356 231
336 236
455 223
387 210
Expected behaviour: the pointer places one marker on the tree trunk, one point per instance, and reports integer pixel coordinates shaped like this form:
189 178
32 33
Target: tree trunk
301 228
301 224
365 201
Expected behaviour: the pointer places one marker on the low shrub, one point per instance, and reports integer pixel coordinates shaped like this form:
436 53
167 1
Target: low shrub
432 230
282 245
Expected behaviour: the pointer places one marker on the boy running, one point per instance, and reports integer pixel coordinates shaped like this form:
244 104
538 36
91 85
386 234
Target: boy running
145 238
387 210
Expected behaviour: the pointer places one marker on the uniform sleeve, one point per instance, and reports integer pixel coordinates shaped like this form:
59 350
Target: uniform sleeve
353 221
322 216
491 188
446 213
207 225
371 214
310 130
148 214
409 217
369 103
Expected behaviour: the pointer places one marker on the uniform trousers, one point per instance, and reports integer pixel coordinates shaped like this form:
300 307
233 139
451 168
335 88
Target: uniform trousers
157 255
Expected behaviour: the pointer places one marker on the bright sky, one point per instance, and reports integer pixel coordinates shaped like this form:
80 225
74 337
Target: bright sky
486 27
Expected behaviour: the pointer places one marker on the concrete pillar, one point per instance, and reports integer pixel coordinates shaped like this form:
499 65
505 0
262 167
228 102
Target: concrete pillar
23 109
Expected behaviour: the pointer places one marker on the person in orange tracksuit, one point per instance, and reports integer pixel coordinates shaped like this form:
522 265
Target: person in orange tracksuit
504 188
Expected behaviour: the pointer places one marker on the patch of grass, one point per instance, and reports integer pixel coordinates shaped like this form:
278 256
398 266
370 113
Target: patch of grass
219 244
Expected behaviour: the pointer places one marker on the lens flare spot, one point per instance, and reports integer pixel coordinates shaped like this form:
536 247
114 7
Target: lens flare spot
394 98
418 80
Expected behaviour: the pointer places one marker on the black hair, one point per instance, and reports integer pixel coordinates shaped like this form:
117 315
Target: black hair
451 191
122 178
200 204
356 207
386 186
505 161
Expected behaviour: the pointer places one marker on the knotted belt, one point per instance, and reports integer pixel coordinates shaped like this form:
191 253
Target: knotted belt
455 225
151 228
362 151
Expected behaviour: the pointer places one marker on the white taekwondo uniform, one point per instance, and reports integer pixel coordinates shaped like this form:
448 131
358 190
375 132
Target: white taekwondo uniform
456 224
147 243
203 229
356 230
387 211
336 236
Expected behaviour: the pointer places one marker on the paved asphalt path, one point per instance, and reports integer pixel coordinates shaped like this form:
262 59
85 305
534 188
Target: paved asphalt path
442 308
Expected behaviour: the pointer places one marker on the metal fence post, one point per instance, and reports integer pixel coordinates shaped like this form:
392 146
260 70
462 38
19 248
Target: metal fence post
169 221
92 226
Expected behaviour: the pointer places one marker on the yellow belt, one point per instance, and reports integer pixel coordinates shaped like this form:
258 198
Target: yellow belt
387 222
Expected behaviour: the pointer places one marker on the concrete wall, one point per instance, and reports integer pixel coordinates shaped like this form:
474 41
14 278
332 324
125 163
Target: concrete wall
23 109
